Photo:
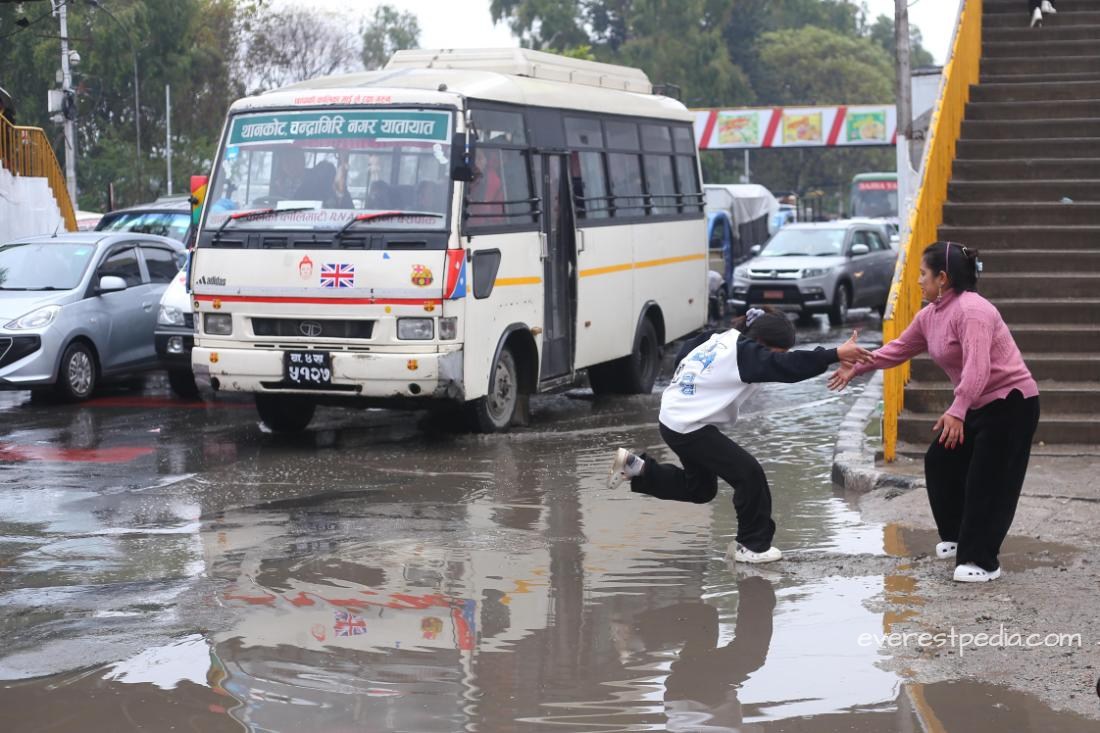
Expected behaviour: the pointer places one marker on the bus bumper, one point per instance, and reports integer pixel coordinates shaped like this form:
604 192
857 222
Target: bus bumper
366 375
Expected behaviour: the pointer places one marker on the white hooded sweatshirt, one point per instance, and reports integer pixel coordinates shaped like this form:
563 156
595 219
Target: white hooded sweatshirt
719 375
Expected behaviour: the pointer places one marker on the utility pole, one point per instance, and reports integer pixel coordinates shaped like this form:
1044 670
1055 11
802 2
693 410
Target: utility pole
168 132
68 108
904 89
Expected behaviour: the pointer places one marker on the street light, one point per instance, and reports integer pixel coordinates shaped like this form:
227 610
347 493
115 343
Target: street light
137 87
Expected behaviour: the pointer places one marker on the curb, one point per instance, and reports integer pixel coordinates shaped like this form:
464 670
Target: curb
854 455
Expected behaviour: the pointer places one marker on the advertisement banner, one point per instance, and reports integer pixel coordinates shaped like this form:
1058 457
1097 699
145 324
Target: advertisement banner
780 127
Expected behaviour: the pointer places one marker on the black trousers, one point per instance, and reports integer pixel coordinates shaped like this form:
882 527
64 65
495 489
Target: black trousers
1032 4
707 454
974 488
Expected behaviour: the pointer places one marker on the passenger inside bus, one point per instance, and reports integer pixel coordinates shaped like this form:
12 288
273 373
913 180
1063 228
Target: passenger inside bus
379 197
321 183
429 196
288 170
487 191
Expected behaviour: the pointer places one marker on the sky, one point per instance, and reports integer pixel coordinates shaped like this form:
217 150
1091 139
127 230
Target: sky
467 23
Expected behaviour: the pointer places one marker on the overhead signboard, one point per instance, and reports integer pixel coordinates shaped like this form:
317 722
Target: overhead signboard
796 127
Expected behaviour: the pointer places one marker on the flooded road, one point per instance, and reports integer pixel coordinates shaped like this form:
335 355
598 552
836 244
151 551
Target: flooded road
169 566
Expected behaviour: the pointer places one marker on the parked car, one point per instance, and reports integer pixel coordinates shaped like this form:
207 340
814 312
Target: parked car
80 307
174 337
174 330
810 268
166 217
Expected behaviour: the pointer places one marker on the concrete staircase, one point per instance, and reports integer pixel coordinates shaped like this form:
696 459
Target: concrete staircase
1025 191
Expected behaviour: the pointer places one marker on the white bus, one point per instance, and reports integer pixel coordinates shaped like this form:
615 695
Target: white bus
471 226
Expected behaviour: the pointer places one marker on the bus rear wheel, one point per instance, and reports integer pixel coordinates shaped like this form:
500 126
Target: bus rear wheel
634 373
498 409
285 413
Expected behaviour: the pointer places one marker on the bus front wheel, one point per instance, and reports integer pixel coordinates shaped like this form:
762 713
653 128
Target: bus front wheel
285 413
498 409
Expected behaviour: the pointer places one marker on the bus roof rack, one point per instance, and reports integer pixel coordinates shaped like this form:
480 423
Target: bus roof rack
528 63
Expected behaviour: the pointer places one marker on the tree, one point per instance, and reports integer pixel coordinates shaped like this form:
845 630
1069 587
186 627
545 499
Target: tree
390 30
817 66
295 44
882 33
188 44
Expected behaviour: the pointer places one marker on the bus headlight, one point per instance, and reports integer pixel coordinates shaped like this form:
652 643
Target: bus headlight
415 329
218 324
448 329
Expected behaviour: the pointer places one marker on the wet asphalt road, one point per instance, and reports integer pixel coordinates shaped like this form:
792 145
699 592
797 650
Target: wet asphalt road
170 566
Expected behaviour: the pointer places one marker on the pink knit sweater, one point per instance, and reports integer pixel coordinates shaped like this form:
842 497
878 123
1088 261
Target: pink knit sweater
967 338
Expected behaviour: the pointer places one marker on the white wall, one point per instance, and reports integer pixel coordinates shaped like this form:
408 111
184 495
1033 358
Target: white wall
27 207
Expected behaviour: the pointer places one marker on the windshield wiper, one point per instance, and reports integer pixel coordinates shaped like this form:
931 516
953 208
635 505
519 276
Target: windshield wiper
377 215
253 213
48 287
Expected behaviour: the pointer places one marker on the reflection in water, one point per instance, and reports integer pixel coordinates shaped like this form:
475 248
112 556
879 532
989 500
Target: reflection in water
702 686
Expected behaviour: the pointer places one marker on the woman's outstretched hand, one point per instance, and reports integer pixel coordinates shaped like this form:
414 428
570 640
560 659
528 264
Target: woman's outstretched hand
952 428
839 379
850 352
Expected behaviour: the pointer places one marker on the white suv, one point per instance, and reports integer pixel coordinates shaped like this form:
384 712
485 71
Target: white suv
825 267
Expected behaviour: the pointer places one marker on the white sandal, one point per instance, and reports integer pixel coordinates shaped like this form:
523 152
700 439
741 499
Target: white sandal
947 550
969 573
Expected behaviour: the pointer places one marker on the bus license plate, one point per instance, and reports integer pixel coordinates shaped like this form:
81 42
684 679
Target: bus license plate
773 294
308 368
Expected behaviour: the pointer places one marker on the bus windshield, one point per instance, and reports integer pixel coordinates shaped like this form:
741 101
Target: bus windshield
332 165
877 199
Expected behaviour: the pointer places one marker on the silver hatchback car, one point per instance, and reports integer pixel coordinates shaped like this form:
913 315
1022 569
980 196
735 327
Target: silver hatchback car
81 306
825 267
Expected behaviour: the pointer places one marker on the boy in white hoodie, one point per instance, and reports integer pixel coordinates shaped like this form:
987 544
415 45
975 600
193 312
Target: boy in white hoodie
709 387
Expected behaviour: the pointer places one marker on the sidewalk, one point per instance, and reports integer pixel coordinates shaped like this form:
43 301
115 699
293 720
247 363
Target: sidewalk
1051 581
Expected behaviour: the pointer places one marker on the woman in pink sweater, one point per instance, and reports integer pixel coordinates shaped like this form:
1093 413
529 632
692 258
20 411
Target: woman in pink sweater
976 465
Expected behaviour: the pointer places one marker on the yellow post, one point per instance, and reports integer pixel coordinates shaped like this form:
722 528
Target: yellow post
959 74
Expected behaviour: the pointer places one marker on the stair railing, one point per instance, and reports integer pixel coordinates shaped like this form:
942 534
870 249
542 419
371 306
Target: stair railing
26 151
960 72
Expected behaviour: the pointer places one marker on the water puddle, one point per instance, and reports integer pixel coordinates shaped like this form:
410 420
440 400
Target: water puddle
456 583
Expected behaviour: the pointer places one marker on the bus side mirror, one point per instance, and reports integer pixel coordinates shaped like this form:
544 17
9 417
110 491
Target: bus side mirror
462 154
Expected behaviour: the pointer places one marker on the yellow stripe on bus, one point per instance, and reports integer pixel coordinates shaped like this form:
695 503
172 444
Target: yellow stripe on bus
506 281
639 265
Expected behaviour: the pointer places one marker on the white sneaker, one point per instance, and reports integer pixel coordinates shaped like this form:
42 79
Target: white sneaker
1046 7
625 466
744 554
945 550
969 573
1036 18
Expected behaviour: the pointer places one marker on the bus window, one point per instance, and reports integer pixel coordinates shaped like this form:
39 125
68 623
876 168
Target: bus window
621 135
875 197
656 138
339 162
688 177
582 132
498 126
626 185
500 192
661 184
589 185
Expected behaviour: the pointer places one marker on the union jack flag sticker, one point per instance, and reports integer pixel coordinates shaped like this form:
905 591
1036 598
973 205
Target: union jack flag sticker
337 276
348 624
